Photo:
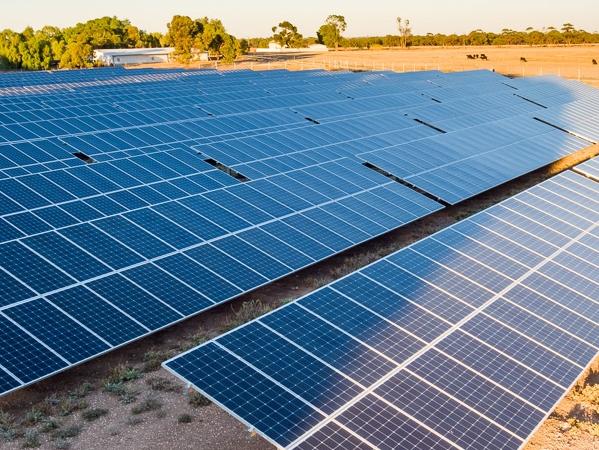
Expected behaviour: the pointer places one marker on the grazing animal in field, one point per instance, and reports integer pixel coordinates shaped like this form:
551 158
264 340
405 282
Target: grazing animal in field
483 56
523 59
469 56
594 62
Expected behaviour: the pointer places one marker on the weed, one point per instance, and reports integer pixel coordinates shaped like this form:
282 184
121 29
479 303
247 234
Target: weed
94 414
126 395
71 431
162 384
33 417
147 405
122 374
49 425
193 341
10 434
185 418
61 444
8 428
69 405
31 439
153 359
82 391
134 421
248 311
197 400
7 420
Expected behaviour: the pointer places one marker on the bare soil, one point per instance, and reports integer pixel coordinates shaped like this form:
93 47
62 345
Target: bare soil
144 407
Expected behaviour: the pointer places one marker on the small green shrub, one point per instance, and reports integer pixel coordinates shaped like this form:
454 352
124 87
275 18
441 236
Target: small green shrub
197 400
94 414
33 417
185 418
49 425
71 431
147 405
134 421
162 384
31 439
69 405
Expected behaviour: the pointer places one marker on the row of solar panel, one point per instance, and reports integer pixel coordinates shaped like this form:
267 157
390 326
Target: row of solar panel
48 150
130 88
104 283
590 169
458 165
234 238
467 338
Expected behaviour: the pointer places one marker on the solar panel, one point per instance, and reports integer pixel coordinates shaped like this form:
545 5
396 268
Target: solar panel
119 188
589 169
465 339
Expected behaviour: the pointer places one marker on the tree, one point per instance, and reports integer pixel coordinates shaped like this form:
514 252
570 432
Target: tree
405 31
181 34
243 46
286 35
330 33
567 31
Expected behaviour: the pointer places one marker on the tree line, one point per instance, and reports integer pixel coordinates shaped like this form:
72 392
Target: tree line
329 34
72 47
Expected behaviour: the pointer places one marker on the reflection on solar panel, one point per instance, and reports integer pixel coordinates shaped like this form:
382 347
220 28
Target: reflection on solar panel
466 339
590 168
132 199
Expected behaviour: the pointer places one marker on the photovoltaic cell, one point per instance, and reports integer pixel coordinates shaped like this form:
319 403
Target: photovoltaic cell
466 338
145 232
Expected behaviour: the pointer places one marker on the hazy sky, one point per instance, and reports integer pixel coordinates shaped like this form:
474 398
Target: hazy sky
245 18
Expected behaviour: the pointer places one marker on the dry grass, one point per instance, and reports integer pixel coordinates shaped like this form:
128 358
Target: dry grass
569 62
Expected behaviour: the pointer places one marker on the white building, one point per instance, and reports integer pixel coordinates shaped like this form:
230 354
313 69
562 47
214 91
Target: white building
122 56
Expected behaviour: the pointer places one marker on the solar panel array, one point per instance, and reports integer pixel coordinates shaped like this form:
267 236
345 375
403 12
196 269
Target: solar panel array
133 199
590 168
466 339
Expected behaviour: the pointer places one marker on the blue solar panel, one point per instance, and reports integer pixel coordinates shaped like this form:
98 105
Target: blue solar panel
589 168
111 200
466 338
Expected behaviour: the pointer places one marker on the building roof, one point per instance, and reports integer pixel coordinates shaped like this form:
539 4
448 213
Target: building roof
133 51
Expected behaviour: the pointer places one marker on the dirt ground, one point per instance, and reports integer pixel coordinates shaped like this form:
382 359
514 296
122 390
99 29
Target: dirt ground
125 400
574 62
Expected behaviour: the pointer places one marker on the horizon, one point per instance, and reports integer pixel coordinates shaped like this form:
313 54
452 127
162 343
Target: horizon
465 17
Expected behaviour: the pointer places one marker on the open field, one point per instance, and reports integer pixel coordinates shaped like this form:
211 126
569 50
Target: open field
569 62
124 400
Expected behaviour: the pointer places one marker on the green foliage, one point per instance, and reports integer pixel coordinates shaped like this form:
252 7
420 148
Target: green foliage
70 47
185 418
162 384
329 34
287 36
147 405
94 414
569 35
31 439
71 431
197 400
189 36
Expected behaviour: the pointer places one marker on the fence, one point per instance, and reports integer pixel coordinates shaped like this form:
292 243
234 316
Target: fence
588 73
